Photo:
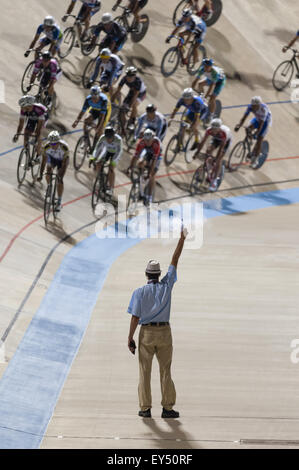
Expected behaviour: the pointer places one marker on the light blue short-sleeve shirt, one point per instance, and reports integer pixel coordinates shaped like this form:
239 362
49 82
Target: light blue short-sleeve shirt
152 302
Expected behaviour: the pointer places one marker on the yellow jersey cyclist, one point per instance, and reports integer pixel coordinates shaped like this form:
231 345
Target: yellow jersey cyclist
96 103
109 147
86 12
261 122
135 6
197 110
52 37
137 93
293 40
193 26
213 77
55 154
221 139
109 66
34 116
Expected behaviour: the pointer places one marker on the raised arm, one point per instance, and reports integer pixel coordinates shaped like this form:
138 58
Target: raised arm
179 248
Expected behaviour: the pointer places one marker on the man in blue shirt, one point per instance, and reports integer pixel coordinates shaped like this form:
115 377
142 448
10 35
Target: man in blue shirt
150 307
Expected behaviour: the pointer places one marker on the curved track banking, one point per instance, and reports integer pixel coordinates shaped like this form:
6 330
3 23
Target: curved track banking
237 393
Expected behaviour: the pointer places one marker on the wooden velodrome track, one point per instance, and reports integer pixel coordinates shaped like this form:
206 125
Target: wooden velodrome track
67 379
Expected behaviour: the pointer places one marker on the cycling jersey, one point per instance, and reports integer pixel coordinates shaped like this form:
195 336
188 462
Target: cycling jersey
101 105
117 32
53 68
89 3
153 151
39 112
263 113
59 152
110 69
194 24
198 106
136 85
215 75
158 124
224 135
55 34
113 148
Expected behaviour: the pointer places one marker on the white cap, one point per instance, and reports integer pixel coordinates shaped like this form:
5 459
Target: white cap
153 267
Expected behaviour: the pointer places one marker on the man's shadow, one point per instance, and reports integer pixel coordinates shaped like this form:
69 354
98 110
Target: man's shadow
174 438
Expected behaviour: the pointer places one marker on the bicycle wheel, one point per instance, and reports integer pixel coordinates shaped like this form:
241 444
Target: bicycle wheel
198 181
99 190
67 44
48 203
26 77
195 57
263 156
283 75
218 109
178 10
172 150
217 10
236 156
23 165
141 29
88 72
80 153
188 152
170 61
134 197
86 47
35 165
54 199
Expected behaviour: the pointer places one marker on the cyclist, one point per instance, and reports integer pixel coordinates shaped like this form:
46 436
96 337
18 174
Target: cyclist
116 35
87 10
97 105
36 117
214 78
148 154
53 37
261 122
51 72
205 12
153 120
55 154
197 110
221 140
109 147
285 48
134 6
110 66
137 92
193 26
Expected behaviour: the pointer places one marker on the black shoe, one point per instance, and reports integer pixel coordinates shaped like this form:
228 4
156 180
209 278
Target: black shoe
170 414
145 414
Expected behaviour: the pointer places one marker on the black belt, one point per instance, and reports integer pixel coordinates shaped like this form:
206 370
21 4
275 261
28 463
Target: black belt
161 323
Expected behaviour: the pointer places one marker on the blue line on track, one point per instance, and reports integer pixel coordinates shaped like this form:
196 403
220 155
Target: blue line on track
33 379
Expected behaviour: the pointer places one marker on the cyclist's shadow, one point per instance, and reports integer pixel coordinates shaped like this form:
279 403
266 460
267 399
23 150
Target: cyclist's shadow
175 437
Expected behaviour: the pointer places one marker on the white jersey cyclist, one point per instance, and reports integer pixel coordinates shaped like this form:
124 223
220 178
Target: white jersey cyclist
106 148
154 120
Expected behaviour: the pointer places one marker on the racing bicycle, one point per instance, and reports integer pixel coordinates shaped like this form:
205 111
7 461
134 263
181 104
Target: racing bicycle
72 37
84 147
119 121
174 57
28 161
101 185
140 188
205 175
217 10
51 198
137 31
283 74
242 151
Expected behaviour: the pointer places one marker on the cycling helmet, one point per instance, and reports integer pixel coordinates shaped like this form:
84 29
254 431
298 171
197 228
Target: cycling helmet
131 71
151 108
26 100
105 53
148 134
49 21
208 62
54 137
46 55
95 90
256 100
186 12
106 18
109 132
188 93
216 123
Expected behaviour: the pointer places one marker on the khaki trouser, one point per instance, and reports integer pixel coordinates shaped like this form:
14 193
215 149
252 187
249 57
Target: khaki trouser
155 340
